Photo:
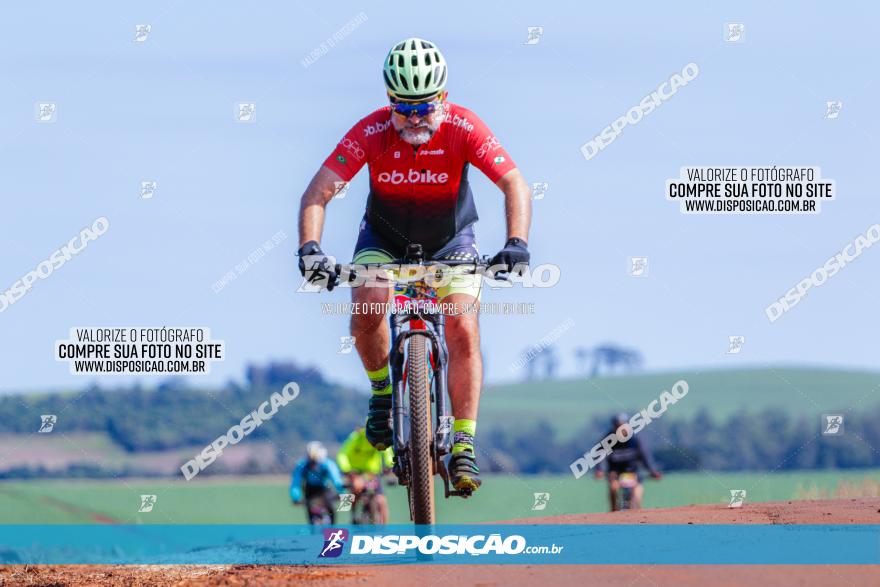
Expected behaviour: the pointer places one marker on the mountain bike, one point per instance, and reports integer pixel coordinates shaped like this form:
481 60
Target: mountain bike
421 414
318 511
628 481
365 510
627 484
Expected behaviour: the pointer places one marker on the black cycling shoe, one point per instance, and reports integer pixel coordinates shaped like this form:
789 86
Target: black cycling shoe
464 472
378 428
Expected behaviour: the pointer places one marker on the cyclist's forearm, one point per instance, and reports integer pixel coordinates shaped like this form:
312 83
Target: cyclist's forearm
646 456
517 204
321 190
344 463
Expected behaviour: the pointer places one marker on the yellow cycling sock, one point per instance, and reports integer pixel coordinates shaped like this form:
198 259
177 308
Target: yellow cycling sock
463 437
380 380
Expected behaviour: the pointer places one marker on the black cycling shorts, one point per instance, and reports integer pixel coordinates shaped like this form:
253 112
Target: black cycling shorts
373 247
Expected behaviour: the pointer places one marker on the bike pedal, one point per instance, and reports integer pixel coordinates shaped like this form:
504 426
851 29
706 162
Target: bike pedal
463 493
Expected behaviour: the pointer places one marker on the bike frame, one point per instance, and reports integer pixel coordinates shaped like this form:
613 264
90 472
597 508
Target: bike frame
317 510
625 489
364 499
432 327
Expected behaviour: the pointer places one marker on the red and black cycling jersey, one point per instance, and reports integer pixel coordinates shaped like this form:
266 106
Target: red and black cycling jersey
420 194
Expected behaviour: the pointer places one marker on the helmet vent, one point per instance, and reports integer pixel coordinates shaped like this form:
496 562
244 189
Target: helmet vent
414 69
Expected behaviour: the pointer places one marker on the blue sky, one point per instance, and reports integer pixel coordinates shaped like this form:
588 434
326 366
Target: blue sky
162 110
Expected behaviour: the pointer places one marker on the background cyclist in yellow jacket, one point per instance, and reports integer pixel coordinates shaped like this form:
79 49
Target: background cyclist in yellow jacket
359 460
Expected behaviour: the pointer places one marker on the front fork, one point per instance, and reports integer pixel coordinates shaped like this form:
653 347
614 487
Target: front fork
439 396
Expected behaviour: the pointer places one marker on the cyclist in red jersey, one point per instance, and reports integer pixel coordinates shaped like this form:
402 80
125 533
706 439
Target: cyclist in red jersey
418 151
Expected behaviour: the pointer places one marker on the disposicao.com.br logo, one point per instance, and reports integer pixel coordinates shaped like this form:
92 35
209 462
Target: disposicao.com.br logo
450 544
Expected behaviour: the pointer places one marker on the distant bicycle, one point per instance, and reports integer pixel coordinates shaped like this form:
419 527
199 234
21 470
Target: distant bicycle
366 510
319 513
627 483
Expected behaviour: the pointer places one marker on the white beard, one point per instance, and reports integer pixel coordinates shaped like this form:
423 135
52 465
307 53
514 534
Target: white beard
416 136
422 134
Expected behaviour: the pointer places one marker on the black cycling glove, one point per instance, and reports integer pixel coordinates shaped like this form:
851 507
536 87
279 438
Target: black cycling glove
515 253
320 265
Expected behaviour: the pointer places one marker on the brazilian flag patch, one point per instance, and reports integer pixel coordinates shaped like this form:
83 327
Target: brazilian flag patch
340 158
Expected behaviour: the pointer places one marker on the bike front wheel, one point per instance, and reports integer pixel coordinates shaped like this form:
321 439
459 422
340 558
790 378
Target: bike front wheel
421 437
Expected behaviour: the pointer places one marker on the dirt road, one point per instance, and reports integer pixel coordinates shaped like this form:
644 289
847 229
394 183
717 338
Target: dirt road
855 511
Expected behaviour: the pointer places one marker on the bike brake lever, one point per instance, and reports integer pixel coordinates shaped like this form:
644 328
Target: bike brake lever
337 277
349 277
337 269
496 275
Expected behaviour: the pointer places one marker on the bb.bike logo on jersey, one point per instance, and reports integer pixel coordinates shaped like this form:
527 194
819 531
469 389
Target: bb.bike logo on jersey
376 127
352 147
425 176
459 121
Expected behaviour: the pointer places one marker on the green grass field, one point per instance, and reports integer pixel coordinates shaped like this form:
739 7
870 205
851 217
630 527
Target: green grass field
264 500
568 405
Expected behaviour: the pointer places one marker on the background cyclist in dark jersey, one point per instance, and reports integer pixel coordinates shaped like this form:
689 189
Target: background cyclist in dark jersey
418 150
627 457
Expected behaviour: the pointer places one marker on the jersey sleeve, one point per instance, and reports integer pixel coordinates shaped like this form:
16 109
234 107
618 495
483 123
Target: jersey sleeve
388 458
296 482
334 475
484 150
645 455
343 458
350 153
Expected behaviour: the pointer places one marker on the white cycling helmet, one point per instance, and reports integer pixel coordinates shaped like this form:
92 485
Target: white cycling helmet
316 451
414 70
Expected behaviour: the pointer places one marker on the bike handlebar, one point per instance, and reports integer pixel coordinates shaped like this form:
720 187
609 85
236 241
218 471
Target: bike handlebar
483 262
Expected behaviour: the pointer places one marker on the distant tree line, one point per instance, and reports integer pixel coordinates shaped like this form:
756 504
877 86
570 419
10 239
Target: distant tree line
542 361
768 440
174 416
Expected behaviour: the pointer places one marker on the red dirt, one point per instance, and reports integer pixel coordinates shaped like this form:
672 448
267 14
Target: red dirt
851 511
838 511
